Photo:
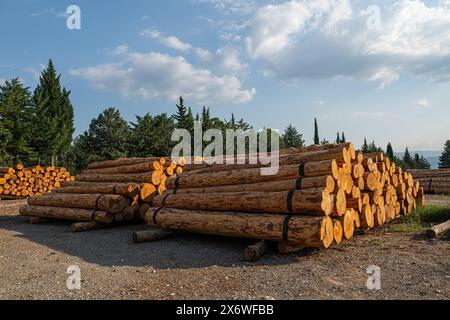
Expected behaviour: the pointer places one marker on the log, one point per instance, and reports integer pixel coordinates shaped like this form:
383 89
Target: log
438 230
100 202
286 247
124 178
314 232
338 231
134 168
310 201
86 226
255 251
147 192
327 182
150 235
348 224
310 169
121 162
126 190
67 213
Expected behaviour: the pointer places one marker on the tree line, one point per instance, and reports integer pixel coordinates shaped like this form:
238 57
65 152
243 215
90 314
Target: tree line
37 128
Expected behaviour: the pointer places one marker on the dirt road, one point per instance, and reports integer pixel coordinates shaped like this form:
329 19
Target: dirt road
34 261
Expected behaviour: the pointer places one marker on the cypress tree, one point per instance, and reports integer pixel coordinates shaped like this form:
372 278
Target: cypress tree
390 151
53 125
444 159
15 119
365 146
343 140
338 138
407 159
316 132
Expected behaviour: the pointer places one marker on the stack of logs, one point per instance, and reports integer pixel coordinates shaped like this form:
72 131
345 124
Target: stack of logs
105 193
433 181
320 195
20 182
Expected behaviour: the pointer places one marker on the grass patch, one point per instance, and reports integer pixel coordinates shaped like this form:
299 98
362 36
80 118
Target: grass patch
421 219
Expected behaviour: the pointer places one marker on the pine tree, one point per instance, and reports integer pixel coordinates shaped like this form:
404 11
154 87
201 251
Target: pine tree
444 159
390 151
184 118
343 138
15 119
292 138
207 123
365 146
53 125
407 159
338 138
424 163
316 132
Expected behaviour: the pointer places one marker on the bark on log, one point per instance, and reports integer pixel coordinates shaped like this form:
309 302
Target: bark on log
67 214
100 202
438 230
126 190
121 162
309 231
310 169
310 201
125 178
255 251
150 235
327 182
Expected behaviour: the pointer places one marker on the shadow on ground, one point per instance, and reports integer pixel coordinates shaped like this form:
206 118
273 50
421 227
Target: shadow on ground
113 247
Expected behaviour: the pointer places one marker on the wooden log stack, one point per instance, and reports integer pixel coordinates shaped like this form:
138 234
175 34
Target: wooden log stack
436 181
106 193
321 195
20 182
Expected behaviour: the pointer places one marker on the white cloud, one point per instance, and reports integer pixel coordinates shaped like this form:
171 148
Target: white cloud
35 71
424 103
168 41
149 75
326 39
119 50
229 7
2 81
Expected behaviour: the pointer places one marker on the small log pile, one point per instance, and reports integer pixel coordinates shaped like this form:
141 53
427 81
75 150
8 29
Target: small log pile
20 182
433 181
321 195
105 193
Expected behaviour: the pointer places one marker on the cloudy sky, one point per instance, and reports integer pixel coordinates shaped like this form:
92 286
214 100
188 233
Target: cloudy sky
379 69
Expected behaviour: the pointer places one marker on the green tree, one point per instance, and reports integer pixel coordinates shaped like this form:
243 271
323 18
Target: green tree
5 139
292 138
407 159
151 136
184 118
343 140
444 159
338 138
365 146
15 119
316 132
390 151
53 121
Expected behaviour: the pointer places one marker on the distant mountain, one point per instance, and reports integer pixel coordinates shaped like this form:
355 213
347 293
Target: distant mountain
431 156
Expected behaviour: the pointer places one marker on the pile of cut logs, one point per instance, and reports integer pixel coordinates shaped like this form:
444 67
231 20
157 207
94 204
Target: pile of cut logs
105 193
20 182
320 195
433 181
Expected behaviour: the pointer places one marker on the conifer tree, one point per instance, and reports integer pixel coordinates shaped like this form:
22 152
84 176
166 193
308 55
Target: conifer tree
338 138
390 151
316 132
184 118
343 140
444 159
292 138
407 159
365 146
15 120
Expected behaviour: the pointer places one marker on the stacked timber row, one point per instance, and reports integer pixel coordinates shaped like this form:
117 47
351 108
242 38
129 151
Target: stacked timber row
319 196
433 181
20 182
106 192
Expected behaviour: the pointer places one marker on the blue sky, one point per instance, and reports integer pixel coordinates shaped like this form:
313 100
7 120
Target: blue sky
271 62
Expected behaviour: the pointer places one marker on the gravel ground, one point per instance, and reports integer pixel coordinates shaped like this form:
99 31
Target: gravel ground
34 261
